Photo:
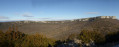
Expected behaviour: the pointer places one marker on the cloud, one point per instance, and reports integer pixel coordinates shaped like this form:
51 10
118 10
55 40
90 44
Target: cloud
27 15
3 17
92 12
44 18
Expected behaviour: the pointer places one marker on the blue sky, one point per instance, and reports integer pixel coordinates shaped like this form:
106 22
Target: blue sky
42 10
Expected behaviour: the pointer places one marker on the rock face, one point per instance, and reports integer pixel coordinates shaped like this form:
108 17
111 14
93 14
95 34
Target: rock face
65 21
93 18
111 17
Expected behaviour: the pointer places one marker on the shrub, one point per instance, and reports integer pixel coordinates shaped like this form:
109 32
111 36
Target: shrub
3 41
112 36
87 36
36 41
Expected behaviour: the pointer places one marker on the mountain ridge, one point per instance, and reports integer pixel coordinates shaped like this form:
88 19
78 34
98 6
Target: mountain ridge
63 30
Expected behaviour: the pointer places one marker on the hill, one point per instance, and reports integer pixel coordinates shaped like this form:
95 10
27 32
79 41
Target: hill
60 30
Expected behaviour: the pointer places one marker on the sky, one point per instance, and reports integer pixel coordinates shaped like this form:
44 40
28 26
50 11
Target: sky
43 10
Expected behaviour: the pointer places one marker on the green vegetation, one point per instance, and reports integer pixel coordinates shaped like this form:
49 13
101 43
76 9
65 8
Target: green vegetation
112 37
36 41
99 31
14 38
88 36
3 41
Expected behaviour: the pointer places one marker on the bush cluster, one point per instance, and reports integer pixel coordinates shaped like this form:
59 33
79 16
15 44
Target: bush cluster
13 38
87 36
